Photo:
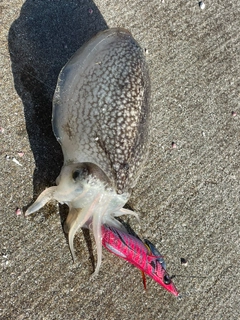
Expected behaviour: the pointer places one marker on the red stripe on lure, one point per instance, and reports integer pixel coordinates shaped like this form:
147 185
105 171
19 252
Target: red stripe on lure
144 256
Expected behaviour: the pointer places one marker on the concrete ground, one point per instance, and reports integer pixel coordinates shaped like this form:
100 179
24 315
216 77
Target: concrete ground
188 195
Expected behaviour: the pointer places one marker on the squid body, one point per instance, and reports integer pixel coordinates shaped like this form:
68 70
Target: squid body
101 119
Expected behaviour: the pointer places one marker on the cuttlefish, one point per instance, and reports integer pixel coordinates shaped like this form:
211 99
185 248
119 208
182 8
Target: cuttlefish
101 118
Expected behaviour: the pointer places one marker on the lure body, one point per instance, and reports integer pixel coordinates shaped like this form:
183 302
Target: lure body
144 256
101 119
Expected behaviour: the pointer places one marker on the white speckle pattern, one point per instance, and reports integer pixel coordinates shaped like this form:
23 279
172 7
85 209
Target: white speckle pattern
101 119
102 116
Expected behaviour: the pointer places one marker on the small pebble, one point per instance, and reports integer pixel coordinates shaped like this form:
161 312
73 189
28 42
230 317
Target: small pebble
184 262
13 159
18 212
202 5
16 161
174 146
234 113
20 154
146 51
1 130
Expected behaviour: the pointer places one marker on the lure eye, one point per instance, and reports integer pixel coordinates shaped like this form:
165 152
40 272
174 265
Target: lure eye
167 279
80 174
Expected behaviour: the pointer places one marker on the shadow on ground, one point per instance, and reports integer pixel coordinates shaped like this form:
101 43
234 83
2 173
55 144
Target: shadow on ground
41 41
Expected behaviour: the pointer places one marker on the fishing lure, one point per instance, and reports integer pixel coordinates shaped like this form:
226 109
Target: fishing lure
101 118
142 255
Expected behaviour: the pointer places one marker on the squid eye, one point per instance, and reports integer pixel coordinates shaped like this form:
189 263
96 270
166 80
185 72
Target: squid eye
167 279
80 174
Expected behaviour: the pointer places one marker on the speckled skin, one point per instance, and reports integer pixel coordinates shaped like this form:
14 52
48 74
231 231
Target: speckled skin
101 119
101 110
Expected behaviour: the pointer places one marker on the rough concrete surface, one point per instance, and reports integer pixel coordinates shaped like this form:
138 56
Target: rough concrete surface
188 195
